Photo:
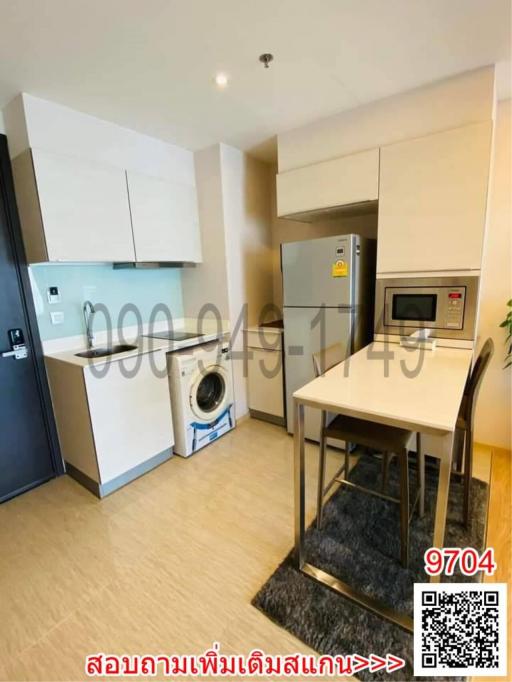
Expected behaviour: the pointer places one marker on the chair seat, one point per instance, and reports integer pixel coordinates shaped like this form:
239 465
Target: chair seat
369 434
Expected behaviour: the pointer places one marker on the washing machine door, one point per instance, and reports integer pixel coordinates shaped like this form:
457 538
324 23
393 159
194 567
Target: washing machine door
208 394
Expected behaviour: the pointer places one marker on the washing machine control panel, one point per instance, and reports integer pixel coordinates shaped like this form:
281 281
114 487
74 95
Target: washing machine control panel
188 367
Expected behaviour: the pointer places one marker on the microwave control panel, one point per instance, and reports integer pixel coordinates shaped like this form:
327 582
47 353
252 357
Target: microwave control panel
455 307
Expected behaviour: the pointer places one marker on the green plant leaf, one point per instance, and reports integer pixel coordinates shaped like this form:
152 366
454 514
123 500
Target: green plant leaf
507 324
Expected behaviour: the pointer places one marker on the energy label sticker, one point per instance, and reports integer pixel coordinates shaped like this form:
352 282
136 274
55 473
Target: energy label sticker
339 269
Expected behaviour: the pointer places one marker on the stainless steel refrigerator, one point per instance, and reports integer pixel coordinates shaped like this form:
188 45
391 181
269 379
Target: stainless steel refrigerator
328 297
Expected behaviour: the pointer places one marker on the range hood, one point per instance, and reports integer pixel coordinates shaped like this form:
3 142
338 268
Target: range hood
152 265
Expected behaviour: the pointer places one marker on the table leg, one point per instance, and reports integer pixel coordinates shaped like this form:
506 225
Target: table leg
444 452
298 463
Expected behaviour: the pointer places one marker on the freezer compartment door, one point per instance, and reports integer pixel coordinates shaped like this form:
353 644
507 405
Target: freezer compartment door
318 272
307 331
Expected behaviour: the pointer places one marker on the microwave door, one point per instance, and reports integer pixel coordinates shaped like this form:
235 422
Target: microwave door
411 308
414 308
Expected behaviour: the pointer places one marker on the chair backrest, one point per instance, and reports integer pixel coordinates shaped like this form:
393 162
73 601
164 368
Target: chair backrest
328 357
475 378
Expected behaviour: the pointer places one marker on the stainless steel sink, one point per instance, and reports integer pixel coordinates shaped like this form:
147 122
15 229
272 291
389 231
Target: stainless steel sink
103 352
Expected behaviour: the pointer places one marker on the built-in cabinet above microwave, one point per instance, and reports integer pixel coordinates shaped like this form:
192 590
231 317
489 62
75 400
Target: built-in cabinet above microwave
75 210
432 201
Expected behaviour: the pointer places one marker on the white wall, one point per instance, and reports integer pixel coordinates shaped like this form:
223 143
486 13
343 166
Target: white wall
246 198
2 124
34 122
463 99
208 281
234 204
16 126
494 410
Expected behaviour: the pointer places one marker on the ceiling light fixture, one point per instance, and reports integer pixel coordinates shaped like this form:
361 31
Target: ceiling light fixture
221 80
266 58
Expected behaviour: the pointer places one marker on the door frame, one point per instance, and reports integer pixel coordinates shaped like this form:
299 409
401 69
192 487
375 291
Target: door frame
32 331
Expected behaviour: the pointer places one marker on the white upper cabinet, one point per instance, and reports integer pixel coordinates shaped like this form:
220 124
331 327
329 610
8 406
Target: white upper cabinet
165 219
432 201
75 210
72 209
348 180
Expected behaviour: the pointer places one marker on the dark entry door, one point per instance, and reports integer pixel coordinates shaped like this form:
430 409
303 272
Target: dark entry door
27 440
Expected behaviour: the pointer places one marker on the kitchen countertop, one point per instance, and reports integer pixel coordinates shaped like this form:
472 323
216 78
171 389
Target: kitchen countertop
275 327
144 344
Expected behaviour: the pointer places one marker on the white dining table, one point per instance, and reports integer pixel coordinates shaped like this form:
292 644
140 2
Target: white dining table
412 388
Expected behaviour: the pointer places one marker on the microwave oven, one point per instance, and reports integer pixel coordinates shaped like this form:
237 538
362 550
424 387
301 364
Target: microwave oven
445 305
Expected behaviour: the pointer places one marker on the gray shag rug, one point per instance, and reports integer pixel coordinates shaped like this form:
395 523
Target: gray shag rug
359 543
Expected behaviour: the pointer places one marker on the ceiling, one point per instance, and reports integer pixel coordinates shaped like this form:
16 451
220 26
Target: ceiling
149 65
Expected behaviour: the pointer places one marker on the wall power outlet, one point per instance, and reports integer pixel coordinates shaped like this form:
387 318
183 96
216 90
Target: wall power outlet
57 317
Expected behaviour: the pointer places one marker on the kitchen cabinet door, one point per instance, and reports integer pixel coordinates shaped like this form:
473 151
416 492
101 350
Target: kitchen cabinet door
84 213
348 180
165 219
130 416
432 201
265 381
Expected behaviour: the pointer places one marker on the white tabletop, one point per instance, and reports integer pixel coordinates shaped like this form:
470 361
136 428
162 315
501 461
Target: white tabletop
364 386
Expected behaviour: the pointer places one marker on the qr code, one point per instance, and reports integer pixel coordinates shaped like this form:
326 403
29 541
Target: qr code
460 629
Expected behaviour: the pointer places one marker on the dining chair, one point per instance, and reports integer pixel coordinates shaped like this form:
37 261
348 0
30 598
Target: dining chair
463 455
389 440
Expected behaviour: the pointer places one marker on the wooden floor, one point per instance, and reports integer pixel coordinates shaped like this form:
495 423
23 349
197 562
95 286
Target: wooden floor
499 535
167 564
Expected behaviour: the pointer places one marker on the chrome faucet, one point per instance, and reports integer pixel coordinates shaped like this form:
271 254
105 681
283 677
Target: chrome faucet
88 311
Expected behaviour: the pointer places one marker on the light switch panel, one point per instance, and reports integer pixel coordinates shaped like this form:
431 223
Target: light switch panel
57 317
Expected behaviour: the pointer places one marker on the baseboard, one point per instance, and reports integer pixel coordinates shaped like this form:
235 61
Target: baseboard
104 489
264 416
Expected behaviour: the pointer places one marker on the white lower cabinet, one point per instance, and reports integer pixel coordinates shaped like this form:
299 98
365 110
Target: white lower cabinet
265 376
112 428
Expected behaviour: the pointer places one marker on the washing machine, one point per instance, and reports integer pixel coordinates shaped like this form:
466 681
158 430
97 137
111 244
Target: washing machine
202 398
